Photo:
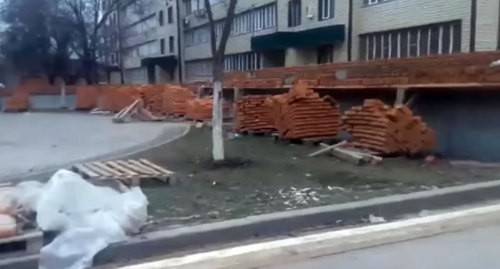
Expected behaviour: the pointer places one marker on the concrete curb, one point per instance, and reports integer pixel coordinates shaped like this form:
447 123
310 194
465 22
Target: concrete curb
122 153
329 243
286 223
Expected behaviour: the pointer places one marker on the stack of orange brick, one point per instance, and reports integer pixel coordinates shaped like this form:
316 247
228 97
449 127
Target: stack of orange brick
199 109
116 97
152 95
175 100
302 114
252 114
17 102
87 97
388 130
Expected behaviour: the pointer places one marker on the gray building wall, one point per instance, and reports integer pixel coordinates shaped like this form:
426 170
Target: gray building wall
466 123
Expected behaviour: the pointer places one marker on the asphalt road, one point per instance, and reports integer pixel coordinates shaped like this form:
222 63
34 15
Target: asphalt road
478 248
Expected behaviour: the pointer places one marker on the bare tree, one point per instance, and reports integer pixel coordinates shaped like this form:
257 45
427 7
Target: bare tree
89 19
218 54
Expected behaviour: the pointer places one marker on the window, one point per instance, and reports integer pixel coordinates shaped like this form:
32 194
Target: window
188 7
170 15
171 46
264 17
160 18
162 46
294 13
424 42
325 9
434 39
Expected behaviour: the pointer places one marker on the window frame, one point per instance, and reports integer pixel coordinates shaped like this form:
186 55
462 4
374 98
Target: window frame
294 13
326 10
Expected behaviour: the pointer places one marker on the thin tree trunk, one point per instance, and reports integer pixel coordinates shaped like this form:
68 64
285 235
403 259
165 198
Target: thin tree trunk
217 115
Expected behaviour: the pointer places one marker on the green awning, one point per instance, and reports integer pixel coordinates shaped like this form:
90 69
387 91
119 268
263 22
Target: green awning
303 39
168 63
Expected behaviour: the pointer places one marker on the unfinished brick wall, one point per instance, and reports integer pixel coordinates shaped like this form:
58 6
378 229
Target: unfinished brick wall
456 68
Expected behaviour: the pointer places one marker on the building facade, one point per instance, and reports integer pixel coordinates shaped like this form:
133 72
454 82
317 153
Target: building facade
277 33
144 36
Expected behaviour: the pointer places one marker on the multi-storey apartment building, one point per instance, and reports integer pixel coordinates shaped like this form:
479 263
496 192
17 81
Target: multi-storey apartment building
274 33
145 42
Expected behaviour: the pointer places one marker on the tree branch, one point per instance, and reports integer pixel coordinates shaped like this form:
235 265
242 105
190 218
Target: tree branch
228 23
213 37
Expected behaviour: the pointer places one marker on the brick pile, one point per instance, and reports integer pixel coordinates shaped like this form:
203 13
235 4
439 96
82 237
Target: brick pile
302 114
116 97
388 130
152 95
17 102
175 99
87 97
199 109
252 114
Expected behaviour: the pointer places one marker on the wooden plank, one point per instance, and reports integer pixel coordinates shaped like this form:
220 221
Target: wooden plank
146 169
121 168
327 148
156 167
97 170
87 172
30 242
132 167
347 156
110 171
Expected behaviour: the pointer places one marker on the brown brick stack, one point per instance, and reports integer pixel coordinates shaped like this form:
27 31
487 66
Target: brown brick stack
152 95
17 102
199 109
252 114
388 130
116 97
87 97
175 100
302 114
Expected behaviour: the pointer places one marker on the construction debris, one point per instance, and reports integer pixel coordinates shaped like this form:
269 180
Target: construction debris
327 148
387 130
136 110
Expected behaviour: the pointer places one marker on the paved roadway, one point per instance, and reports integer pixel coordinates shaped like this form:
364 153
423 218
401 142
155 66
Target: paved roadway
36 142
478 249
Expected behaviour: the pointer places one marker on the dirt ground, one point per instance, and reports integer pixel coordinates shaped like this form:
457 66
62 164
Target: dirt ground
263 176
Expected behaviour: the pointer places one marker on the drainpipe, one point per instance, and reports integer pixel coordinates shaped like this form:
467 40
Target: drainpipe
473 24
349 33
180 23
498 29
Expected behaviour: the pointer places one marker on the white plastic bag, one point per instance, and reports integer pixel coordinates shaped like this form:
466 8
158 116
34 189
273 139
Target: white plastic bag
89 217
27 195
131 212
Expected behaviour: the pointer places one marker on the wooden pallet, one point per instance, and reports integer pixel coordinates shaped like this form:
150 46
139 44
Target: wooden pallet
28 243
262 132
130 172
310 141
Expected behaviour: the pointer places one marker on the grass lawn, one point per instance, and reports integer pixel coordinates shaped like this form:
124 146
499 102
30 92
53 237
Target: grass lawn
263 176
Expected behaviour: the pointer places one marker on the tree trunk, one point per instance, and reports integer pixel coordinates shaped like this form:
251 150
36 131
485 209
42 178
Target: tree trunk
217 115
